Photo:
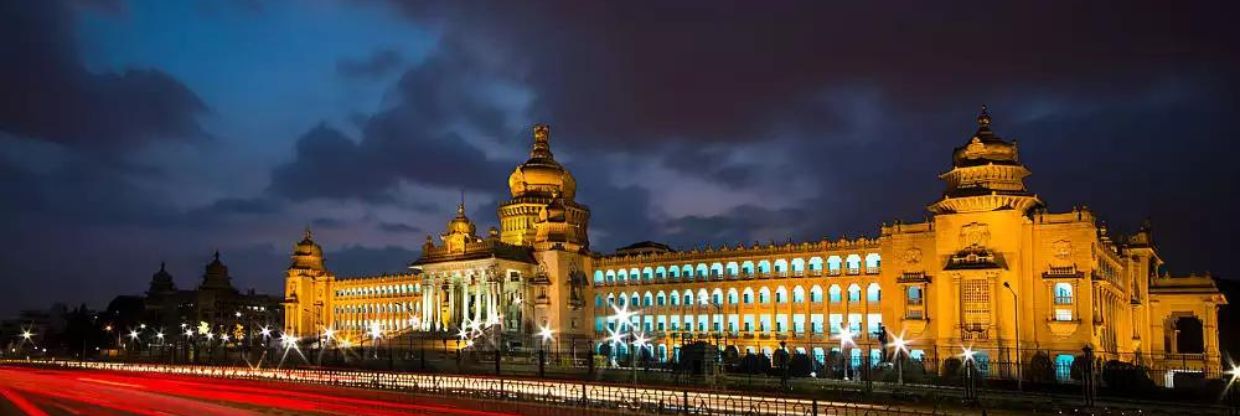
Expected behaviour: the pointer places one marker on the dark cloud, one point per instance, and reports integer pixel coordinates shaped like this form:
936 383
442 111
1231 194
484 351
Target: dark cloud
48 94
399 228
324 222
380 63
420 139
355 260
729 72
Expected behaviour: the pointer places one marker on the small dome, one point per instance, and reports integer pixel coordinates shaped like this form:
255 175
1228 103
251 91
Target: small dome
985 147
461 224
162 275
541 175
307 246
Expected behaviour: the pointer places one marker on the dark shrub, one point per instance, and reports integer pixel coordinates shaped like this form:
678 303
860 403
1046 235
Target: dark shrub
754 364
800 366
1127 379
951 367
1041 369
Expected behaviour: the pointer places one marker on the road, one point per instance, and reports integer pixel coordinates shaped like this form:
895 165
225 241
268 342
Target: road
48 391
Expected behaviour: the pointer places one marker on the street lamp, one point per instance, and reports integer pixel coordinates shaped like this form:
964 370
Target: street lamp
1019 363
898 343
846 337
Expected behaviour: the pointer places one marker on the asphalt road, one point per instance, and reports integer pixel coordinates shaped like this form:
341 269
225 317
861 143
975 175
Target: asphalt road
44 391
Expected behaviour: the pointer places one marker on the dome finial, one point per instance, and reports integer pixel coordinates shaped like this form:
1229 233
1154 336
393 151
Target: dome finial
983 119
460 208
542 142
308 233
161 265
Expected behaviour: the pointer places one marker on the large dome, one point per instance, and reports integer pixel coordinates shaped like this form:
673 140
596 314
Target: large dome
541 175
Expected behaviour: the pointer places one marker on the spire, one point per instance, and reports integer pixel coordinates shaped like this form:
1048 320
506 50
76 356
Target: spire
161 267
542 142
308 234
217 254
983 118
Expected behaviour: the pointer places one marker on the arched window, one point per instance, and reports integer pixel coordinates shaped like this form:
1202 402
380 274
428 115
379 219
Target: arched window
688 298
854 293
675 298
598 276
872 263
611 299
716 297
731 269
648 274
636 300
716 270
648 299
781 267
686 272
798 294
747 296
781 295
747 268
853 263
833 265
635 275
622 276
764 267
660 299
1063 293
798 266
701 272
834 293
873 293
660 273
764 295
673 273
815 265
623 299
703 297
815 294
733 296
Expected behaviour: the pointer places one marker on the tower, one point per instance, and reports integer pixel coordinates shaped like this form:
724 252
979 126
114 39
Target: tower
307 285
986 175
536 184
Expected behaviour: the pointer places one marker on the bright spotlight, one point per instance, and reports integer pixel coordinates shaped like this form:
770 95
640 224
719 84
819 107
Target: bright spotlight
545 333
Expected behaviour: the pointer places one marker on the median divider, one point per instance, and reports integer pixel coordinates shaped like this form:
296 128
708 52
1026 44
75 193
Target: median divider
637 399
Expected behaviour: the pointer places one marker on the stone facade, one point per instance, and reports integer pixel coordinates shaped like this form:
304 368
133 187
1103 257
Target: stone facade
991 269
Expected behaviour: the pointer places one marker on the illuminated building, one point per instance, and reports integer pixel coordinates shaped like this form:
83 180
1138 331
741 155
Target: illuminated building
990 252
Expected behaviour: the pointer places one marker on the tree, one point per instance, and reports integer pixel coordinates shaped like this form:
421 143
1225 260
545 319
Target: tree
951 367
1125 378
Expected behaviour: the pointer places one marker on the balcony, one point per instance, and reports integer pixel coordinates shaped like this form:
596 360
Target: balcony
1063 300
852 271
834 272
872 270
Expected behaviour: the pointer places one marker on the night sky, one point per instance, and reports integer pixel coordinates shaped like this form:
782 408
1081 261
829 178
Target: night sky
135 132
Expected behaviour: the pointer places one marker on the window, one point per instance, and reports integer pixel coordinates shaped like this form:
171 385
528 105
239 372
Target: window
1063 294
854 293
1063 367
835 293
781 295
815 294
748 296
798 294
835 323
1063 314
873 293
764 296
913 295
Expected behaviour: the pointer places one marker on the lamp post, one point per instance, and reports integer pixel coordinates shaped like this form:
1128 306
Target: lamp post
899 344
1020 379
544 333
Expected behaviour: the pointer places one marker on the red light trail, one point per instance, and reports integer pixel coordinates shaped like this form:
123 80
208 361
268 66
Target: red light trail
40 392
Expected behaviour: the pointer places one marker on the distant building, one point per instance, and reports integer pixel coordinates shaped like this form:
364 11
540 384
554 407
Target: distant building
215 302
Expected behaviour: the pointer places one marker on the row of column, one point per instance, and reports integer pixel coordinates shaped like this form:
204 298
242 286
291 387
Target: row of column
463 301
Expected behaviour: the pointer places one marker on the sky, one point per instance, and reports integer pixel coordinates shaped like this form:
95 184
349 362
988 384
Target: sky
140 132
